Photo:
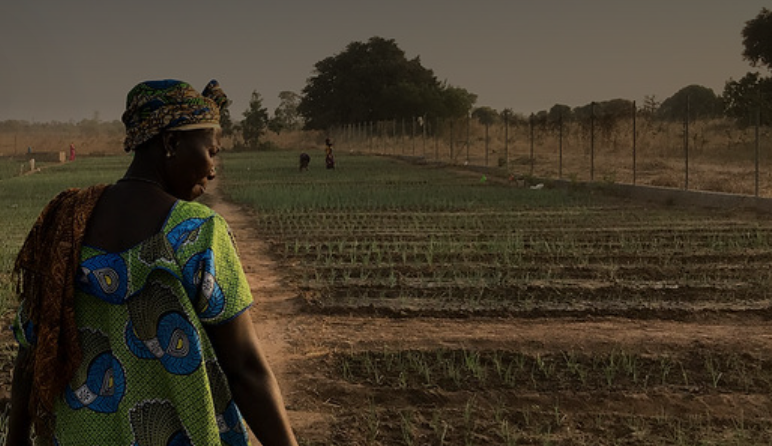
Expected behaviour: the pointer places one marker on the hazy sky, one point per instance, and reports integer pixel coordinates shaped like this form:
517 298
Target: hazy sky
71 59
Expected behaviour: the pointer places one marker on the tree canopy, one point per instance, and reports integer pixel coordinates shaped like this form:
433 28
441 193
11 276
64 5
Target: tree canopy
745 97
286 116
703 103
757 39
372 81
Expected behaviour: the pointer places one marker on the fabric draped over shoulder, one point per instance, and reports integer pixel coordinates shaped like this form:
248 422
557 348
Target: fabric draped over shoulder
45 271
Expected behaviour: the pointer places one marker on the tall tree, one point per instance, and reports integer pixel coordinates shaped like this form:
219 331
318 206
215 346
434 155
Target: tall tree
703 103
225 119
757 39
255 121
286 116
373 80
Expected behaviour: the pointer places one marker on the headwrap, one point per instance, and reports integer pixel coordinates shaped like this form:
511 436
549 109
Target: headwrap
45 271
155 106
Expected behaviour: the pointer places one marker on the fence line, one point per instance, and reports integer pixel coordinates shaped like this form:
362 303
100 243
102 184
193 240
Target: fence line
697 154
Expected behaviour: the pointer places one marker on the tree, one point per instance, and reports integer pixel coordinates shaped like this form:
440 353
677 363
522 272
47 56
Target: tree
286 116
255 121
226 123
650 106
558 112
485 115
373 81
757 39
742 99
703 103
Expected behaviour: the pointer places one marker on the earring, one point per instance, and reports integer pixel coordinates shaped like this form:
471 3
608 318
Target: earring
169 154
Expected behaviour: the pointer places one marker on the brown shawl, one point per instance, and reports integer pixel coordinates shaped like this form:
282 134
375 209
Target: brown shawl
45 271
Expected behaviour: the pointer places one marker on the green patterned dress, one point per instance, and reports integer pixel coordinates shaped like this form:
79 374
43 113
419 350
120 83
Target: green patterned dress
149 375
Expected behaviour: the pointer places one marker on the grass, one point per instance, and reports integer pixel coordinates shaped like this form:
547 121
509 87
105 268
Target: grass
270 181
23 197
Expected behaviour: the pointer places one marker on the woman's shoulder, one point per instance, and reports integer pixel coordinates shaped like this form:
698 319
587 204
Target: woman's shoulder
192 215
184 210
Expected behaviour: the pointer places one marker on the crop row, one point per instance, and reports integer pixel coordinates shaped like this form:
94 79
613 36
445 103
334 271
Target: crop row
454 370
381 271
472 299
494 420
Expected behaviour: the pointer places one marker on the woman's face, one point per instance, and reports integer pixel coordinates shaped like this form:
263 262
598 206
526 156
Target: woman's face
192 166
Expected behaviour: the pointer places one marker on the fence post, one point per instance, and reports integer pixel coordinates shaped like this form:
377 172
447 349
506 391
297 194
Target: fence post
506 140
451 140
560 145
486 143
468 126
635 112
402 136
436 139
530 124
424 123
686 146
412 133
758 123
393 139
592 141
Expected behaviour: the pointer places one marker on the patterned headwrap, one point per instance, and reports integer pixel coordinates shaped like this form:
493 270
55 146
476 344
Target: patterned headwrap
155 106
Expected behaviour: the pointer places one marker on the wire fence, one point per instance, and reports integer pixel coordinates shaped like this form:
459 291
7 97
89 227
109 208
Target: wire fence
633 148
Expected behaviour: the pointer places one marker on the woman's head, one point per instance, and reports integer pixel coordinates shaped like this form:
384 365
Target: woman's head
176 130
188 163
153 107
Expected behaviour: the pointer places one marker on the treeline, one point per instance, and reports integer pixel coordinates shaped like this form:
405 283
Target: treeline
373 81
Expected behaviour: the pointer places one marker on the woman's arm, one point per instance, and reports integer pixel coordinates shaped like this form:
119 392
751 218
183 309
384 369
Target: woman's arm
251 380
19 422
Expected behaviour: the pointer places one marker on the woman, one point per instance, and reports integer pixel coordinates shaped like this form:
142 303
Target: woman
133 323
329 159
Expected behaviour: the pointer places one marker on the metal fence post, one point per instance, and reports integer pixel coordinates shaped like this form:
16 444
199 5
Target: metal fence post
468 126
506 140
758 123
592 141
635 112
560 145
530 122
486 143
686 146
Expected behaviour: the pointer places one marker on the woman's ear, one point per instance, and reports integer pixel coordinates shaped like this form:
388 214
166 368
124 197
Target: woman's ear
170 142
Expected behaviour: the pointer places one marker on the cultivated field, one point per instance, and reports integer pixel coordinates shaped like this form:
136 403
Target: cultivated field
434 306
451 310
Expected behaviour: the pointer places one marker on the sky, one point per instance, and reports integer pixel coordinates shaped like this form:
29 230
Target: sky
76 59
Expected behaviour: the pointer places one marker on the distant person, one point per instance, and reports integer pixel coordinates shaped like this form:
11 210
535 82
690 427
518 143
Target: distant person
72 151
304 160
134 324
29 149
329 158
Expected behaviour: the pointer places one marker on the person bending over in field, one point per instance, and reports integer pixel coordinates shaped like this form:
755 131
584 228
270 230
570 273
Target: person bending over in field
133 320
304 160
